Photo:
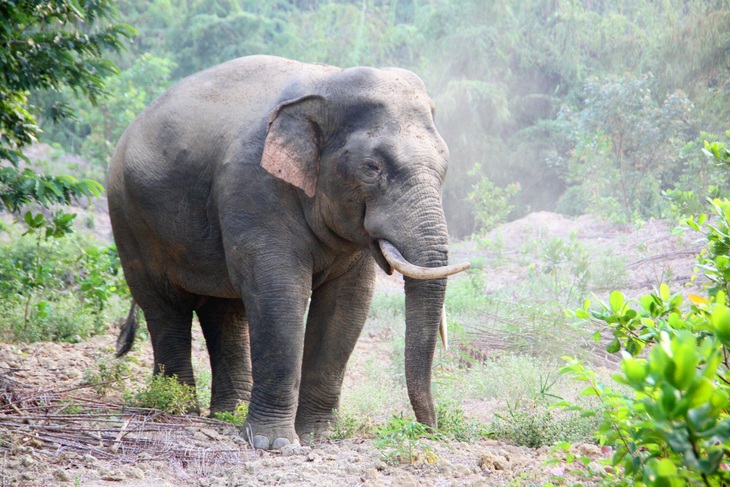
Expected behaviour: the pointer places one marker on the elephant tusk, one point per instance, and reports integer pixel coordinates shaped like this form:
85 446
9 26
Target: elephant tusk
396 260
443 329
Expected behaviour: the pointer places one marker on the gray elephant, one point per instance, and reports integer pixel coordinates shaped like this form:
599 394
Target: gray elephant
248 188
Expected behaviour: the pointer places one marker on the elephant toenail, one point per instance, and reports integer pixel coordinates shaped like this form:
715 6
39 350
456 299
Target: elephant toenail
261 442
280 443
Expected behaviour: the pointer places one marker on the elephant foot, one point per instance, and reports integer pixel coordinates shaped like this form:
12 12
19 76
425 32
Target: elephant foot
267 438
316 428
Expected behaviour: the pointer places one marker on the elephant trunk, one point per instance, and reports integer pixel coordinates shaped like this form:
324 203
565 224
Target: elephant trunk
419 250
424 305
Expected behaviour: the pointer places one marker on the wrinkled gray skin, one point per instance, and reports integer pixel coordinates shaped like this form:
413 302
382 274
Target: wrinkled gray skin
247 188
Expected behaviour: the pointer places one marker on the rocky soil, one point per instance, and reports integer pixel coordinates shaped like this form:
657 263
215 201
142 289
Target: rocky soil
47 439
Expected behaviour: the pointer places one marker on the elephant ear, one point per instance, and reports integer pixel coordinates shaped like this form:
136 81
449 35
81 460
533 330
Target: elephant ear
293 142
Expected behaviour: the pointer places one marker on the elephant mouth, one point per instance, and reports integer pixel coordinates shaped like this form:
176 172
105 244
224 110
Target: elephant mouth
380 258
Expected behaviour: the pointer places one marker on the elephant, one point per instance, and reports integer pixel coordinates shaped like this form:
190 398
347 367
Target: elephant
260 188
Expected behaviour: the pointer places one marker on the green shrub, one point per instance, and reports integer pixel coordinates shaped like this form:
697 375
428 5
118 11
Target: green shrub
454 425
107 373
533 424
402 440
165 394
670 424
492 204
349 425
53 288
237 417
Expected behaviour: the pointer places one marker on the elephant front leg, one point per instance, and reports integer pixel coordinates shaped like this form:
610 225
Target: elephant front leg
276 329
337 315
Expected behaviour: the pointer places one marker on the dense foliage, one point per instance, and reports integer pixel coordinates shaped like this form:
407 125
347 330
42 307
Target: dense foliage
45 46
526 91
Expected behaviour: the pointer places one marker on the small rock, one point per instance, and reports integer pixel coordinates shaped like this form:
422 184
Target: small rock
461 471
370 474
444 466
589 450
205 482
61 475
404 479
380 465
28 475
90 459
72 373
492 461
557 471
313 457
134 473
115 476
27 460
295 449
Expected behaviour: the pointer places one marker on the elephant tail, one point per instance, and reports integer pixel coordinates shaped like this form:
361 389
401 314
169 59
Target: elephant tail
125 340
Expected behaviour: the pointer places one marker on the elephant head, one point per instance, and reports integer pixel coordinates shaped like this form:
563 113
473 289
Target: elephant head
362 147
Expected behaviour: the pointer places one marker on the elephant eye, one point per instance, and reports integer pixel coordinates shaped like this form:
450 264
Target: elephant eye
372 169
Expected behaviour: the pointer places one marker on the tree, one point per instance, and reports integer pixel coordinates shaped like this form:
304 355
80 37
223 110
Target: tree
625 147
46 45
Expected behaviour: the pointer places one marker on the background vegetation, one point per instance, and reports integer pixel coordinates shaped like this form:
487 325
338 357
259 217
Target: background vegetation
548 94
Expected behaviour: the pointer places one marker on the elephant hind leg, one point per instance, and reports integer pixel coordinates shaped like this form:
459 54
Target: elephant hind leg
170 332
226 335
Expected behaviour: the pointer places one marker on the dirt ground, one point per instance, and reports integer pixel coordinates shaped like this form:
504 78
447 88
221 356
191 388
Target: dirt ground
44 440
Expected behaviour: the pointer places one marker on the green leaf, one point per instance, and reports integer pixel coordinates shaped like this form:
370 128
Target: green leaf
666 468
635 370
664 292
634 346
616 300
614 346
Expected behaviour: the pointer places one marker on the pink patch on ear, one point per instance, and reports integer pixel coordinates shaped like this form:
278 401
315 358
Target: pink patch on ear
290 162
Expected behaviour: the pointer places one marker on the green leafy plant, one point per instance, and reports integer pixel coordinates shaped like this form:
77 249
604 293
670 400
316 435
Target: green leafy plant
668 420
46 47
401 440
492 204
165 394
101 277
564 268
633 328
714 260
452 423
237 417
107 374
349 425
674 428
533 423
55 285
